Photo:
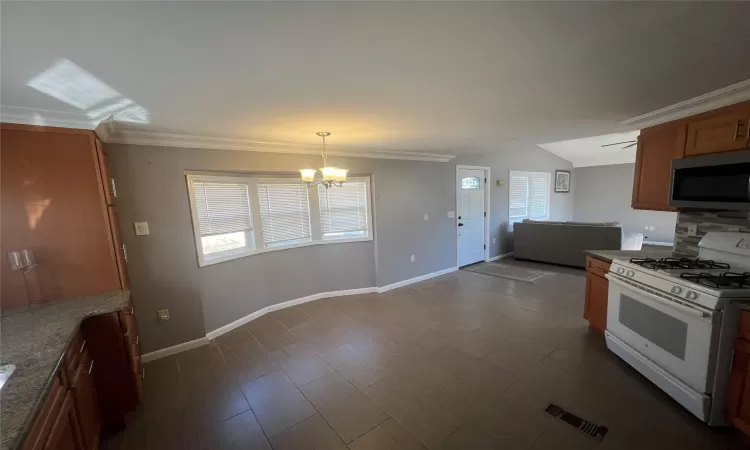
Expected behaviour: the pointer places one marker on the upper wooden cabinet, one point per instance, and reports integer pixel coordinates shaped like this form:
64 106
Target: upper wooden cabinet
108 182
657 147
722 130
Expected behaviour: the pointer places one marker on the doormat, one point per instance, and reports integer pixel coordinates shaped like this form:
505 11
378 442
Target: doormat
588 428
508 271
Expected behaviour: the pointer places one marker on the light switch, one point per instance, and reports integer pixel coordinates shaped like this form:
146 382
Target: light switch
451 214
141 228
426 217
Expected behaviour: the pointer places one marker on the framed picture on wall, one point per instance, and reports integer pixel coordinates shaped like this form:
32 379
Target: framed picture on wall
562 181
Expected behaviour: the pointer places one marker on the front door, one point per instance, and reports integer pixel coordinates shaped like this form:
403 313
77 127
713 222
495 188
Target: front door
470 188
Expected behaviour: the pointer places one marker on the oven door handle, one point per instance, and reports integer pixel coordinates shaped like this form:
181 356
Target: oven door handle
686 309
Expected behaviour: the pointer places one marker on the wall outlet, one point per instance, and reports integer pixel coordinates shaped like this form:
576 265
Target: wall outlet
426 217
692 229
162 315
141 228
413 258
733 229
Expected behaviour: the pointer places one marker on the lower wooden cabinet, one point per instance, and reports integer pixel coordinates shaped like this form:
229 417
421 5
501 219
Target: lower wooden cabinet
597 287
738 400
86 403
98 383
65 433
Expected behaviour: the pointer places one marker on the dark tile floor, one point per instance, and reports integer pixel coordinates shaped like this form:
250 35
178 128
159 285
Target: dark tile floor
463 361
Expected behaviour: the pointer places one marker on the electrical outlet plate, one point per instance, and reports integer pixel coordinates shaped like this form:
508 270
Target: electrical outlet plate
162 315
413 258
141 228
692 229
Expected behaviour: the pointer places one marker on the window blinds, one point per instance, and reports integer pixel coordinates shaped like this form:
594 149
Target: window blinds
284 213
222 207
529 196
344 209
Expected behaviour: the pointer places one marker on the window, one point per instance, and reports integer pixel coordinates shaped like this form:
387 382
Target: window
240 215
470 183
528 196
343 211
284 213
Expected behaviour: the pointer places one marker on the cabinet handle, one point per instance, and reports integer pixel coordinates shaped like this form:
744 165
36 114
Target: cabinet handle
741 128
80 350
137 340
124 253
91 366
114 187
143 373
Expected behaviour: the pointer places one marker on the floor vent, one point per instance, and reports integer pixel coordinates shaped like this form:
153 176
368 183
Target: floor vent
586 427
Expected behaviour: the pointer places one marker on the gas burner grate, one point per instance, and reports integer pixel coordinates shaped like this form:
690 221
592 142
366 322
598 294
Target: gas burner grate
678 263
726 280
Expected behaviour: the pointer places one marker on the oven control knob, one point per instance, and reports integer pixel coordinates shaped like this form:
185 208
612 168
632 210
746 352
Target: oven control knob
676 290
691 295
630 274
620 270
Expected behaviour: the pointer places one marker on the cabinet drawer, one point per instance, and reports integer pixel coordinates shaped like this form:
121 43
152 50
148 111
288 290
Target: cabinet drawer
744 326
46 416
72 358
597 266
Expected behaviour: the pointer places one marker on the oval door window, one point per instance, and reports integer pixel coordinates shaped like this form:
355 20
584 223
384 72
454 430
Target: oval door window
470 183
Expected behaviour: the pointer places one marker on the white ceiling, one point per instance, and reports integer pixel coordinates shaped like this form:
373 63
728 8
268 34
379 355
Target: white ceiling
444 77
589 151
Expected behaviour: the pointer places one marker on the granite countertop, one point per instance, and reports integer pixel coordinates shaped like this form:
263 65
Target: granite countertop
34 340
609 255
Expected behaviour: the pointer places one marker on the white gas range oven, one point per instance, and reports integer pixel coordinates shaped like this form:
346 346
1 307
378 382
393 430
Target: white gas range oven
675 319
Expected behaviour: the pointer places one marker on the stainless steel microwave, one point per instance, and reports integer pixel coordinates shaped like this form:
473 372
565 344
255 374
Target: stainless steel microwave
718 181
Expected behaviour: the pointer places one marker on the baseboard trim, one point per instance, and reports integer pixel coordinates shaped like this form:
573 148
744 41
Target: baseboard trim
503 256
389 287
161 353
211 335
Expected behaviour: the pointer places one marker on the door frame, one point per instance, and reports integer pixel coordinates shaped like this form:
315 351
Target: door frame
486 208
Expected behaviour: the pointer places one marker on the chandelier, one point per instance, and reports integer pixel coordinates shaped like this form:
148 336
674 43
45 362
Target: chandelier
332 176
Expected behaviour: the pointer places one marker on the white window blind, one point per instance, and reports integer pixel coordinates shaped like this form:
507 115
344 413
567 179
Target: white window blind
343 211
284 213
222 208
529 196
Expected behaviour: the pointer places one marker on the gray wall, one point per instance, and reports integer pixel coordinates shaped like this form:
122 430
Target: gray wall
163 266
517 157
604 193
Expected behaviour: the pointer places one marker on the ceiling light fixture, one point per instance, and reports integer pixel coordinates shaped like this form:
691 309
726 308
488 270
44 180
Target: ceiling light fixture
332 176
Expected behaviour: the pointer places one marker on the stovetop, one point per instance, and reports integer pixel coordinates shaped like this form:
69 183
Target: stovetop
705 272
725 280
679 263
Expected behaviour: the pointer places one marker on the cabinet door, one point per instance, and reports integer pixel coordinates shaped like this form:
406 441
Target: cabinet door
120 249
722 132
738 400
595 308
65 434
108 182
657 147
84 397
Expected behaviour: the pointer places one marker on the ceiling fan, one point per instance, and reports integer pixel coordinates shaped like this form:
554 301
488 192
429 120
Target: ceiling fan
630 144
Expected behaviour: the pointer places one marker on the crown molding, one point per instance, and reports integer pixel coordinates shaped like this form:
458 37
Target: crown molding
45 117
113 133
735 93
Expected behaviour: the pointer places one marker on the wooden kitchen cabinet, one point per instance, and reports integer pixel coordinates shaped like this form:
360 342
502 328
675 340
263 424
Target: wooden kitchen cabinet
108 181
657 147
65 434
738 394
86 403
597 287
721 130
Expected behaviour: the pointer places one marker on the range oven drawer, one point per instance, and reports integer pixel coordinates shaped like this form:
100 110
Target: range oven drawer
681 338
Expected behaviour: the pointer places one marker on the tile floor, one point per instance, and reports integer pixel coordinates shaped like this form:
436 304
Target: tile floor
463 361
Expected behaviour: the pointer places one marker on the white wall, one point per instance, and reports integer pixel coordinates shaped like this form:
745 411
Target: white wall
603 194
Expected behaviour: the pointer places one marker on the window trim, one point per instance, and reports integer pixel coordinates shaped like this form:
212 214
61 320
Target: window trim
548 202
257 227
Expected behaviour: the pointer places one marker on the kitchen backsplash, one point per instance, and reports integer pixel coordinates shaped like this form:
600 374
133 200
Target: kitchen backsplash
706 221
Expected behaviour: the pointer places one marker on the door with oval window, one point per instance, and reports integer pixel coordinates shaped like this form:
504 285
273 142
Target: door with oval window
470 208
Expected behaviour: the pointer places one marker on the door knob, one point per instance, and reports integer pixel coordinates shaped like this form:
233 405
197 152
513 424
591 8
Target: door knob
459 217
460 224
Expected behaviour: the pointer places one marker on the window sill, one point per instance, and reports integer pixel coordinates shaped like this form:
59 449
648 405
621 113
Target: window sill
258 251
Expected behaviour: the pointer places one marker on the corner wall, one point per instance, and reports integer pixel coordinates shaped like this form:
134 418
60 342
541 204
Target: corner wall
163 266
604 194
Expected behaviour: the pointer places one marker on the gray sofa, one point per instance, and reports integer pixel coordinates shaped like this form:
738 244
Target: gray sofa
563 242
